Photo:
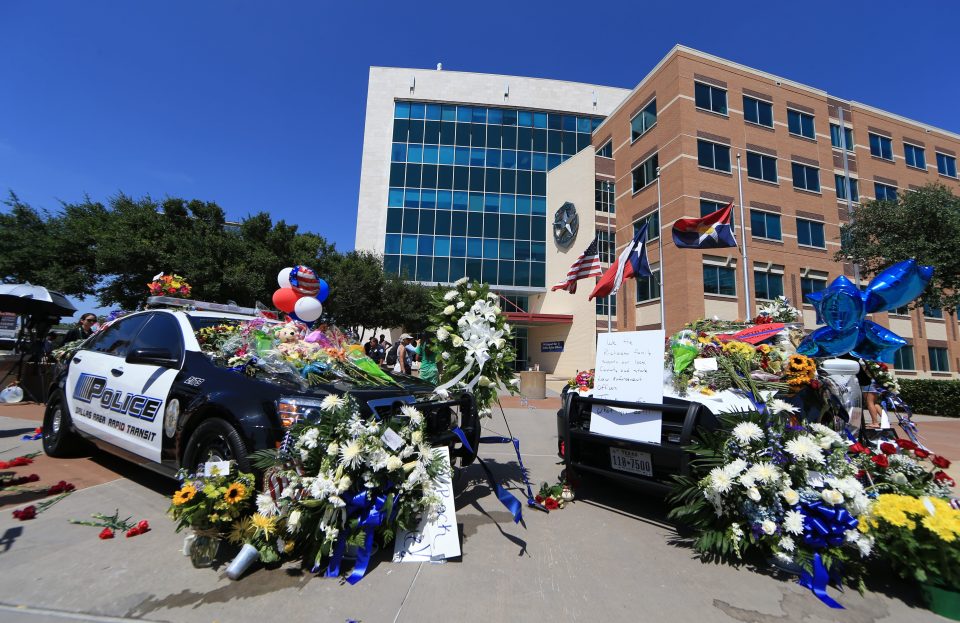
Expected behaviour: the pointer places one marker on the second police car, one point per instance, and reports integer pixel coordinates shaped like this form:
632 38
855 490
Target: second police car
142 388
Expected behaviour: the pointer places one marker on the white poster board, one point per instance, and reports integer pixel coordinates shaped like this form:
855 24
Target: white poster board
629 368
437 540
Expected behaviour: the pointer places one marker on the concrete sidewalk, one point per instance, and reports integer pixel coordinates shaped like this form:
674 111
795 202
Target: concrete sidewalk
606 557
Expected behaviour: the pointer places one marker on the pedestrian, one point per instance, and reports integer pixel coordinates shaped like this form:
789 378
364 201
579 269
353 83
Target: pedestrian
370 346
385 342
405 354
428 361
82 330
871 393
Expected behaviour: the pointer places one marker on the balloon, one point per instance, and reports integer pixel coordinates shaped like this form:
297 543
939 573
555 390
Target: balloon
841 306
283 278
304 281
324 290
308 309
284 299
897 285
826 341
814 299
877 343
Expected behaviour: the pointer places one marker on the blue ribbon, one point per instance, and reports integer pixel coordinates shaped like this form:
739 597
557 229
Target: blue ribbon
506 498
759 405
823 526
523 470
369 513
316 367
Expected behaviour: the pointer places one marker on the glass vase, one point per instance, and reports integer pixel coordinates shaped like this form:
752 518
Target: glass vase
203 551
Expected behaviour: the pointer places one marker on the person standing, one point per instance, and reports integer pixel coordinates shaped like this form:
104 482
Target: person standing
428 362
370 346
82 330
405 354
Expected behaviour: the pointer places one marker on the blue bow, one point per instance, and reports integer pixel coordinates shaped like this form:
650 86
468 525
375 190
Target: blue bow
823 526
369 515
506 498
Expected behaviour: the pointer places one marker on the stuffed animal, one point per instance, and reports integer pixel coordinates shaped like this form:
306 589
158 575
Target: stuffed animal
289 339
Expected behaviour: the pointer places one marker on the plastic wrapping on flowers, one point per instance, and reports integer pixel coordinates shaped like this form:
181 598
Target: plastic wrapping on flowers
473 342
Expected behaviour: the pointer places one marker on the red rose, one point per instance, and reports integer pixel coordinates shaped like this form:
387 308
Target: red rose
106 533
539 499
940 462
943 477
28 512
858 448
134 531
861 474
551 504
883 366
906 444
881 460
815 384
888 448
143 526
921 453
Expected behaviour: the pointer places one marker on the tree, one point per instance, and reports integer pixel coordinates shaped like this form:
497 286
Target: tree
924 224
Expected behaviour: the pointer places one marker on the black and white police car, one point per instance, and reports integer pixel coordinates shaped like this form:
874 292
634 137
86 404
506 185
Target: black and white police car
142 388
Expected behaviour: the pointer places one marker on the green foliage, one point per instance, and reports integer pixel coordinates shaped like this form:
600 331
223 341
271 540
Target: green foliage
931 396
924 225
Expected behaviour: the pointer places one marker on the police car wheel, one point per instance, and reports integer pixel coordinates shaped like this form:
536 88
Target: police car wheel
215 440
58 439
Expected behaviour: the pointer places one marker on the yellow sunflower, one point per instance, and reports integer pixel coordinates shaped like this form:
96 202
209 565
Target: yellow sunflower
264 524
184 495
235 493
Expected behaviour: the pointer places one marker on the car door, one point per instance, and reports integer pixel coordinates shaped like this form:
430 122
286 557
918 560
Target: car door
92 379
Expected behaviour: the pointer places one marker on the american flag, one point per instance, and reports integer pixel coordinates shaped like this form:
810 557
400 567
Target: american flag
587 265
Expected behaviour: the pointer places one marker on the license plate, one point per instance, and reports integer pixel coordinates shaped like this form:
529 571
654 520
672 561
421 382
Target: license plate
631 461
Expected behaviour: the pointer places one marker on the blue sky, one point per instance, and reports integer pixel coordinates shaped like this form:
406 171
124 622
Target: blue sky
260 106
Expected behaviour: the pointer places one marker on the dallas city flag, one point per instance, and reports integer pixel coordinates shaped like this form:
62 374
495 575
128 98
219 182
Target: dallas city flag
713 231
631 263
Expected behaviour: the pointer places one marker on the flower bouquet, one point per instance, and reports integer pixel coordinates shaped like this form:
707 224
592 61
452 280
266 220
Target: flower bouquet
473 341
902 467
169 285
882 377
582 382
778 310
761 486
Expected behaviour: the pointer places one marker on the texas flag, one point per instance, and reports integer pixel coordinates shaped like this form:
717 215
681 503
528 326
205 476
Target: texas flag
713 231
631 263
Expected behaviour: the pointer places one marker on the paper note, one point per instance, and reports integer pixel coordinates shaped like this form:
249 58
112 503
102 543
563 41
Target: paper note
629 368
705 364
392 439
436 540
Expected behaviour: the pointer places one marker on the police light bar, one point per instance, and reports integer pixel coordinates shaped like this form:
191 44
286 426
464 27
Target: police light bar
170 301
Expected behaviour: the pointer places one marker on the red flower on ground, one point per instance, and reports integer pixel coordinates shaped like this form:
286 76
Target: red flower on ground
538 499
551 504
881 460
61 487
906 444
28 512
943 477
143 526
134 531
859 448
888 448
940 462
106 533
921 453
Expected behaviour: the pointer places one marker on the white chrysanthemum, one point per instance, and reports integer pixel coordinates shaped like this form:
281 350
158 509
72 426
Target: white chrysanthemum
735 468
413 413
790 496
333 448
745 432
442 334
747 480
293 522
449 296
781 406
266 506
768 527
461 305
803 448
377 459
787 544
461 281
331 403
350 455
764 472
850 487
394 463
793 522
449 309
860 505
719 480
831 496
754 494
309 438
865 545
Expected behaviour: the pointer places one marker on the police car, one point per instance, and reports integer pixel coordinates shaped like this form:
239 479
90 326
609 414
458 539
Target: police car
142 388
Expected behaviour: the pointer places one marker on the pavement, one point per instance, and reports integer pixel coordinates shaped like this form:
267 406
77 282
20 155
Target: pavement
609 555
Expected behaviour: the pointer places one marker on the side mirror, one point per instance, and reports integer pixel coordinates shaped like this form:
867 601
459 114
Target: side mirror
153 356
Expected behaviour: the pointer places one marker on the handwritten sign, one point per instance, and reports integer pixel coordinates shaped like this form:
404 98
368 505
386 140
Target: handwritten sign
436 540
629 368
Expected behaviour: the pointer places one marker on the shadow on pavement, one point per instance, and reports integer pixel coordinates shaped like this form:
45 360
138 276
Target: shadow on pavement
9 537
16 432
143 476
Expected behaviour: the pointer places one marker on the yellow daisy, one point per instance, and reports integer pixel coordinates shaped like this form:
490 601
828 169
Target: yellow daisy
264 524
241 531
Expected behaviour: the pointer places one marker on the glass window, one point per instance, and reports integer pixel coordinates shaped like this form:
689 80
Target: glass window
713 155
653 227
605 246
606 305
604 196
606 151
885 192
805 177
710 98
767 285
842 188
758 111
932 312
836 137
761 167
881 146
810 233
708 206
915 156
765 225
719 280
946 165
648 288
938 359
118 337
809 285
646 173
903 358
644 120
800 123
901 311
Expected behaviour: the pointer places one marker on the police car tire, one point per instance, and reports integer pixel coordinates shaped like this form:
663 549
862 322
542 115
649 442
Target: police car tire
64 442
209 432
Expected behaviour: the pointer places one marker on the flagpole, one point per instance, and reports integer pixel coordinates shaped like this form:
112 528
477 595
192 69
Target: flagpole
743 232
663 315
